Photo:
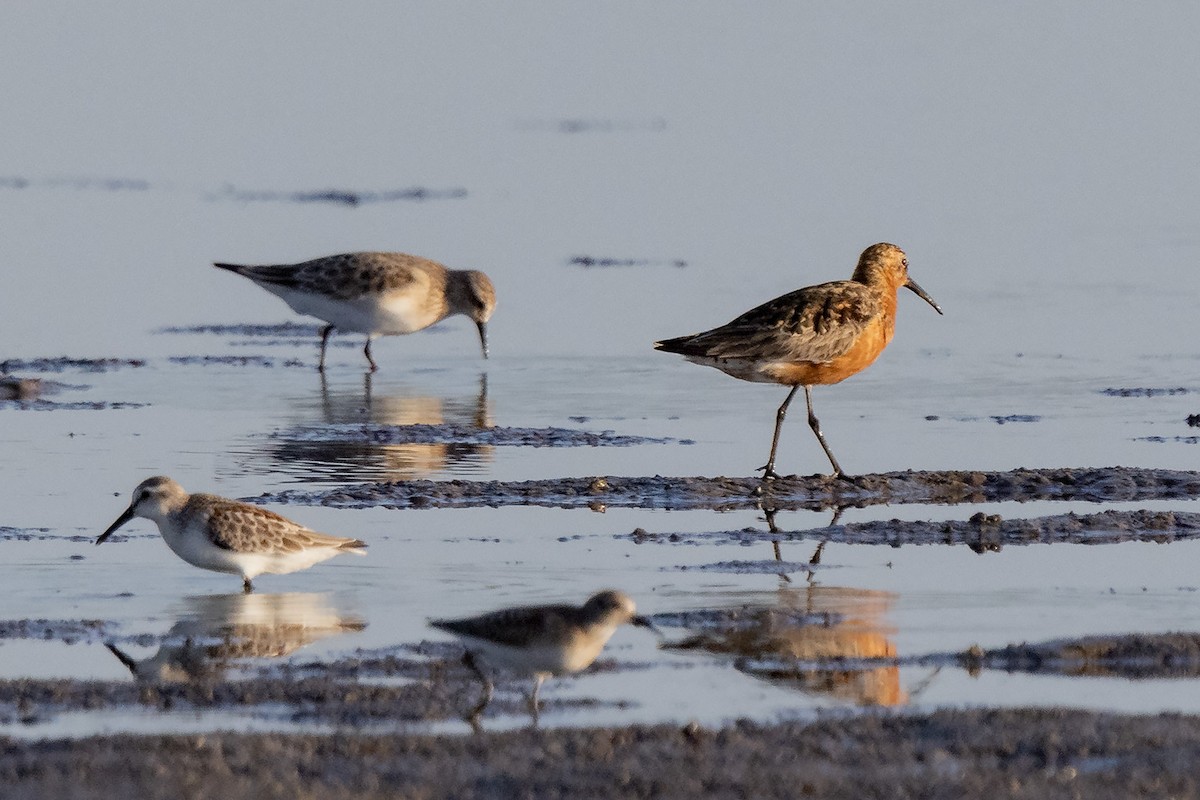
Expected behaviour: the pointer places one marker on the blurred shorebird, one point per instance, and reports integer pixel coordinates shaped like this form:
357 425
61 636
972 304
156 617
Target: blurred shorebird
820 334
376 294
540 640
223 535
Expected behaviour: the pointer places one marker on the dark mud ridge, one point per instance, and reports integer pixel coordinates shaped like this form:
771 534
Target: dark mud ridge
421 684
238 361
342 197
68 631
981 532
591 261
1097 484
460 434
1134 656
63 364
1047 754
282 330
11 534
31 393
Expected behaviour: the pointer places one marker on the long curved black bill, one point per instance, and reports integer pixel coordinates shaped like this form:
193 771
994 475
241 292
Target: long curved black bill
129 663
643 622
921 294
121 520
483 337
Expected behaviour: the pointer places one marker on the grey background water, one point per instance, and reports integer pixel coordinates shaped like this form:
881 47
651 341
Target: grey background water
1037 162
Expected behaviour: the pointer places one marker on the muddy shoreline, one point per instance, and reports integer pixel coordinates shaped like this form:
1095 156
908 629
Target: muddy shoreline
972 753
941 487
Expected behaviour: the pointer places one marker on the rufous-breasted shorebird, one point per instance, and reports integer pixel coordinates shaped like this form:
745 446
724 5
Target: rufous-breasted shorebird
817 335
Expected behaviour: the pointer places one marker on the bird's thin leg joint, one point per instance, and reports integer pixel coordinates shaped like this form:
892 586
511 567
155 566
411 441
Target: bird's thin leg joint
533 699
469 660
328 329
768 469
367 353
815 424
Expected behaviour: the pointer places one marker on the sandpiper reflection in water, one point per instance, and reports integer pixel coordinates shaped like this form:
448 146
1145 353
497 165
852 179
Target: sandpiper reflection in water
357 431
216 632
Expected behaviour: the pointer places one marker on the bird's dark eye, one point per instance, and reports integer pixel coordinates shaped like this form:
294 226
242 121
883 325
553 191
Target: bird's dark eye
904 261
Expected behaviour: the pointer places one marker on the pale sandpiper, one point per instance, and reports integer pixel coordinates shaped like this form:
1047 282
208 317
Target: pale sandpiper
377 294
223 535
816 335
540 641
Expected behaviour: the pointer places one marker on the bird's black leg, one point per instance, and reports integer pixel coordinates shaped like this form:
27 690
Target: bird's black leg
815 424
768 470
367 353
469 659
247 586
328 329
533 698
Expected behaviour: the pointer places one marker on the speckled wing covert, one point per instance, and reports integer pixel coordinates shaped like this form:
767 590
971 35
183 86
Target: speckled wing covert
815 324
344 276
516 627
244 528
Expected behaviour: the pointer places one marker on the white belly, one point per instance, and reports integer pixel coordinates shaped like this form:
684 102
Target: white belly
539 659
383 315
195 547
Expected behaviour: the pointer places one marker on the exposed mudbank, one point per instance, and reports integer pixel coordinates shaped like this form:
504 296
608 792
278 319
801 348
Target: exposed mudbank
592 261
10 534
1133 656
68 631
79 405
335 196
981 532
32 394
450 433
594 125
224 672
1145 391
341 197
282 330
62 364
381 694
239 361
1051 754
949 487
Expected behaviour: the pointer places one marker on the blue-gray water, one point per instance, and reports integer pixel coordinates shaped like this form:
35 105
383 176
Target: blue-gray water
1037 163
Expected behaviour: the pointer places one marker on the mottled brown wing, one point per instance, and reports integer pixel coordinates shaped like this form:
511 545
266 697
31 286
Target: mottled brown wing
814 324
515 627
354 274
249 529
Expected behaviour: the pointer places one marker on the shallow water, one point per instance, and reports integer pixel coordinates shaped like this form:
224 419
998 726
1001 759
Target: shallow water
1046 215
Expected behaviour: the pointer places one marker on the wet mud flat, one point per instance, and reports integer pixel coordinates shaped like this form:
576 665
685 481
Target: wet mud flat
944 487
380 701
951 754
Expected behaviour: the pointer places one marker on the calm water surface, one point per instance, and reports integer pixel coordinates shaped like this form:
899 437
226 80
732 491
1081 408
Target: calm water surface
1045 201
